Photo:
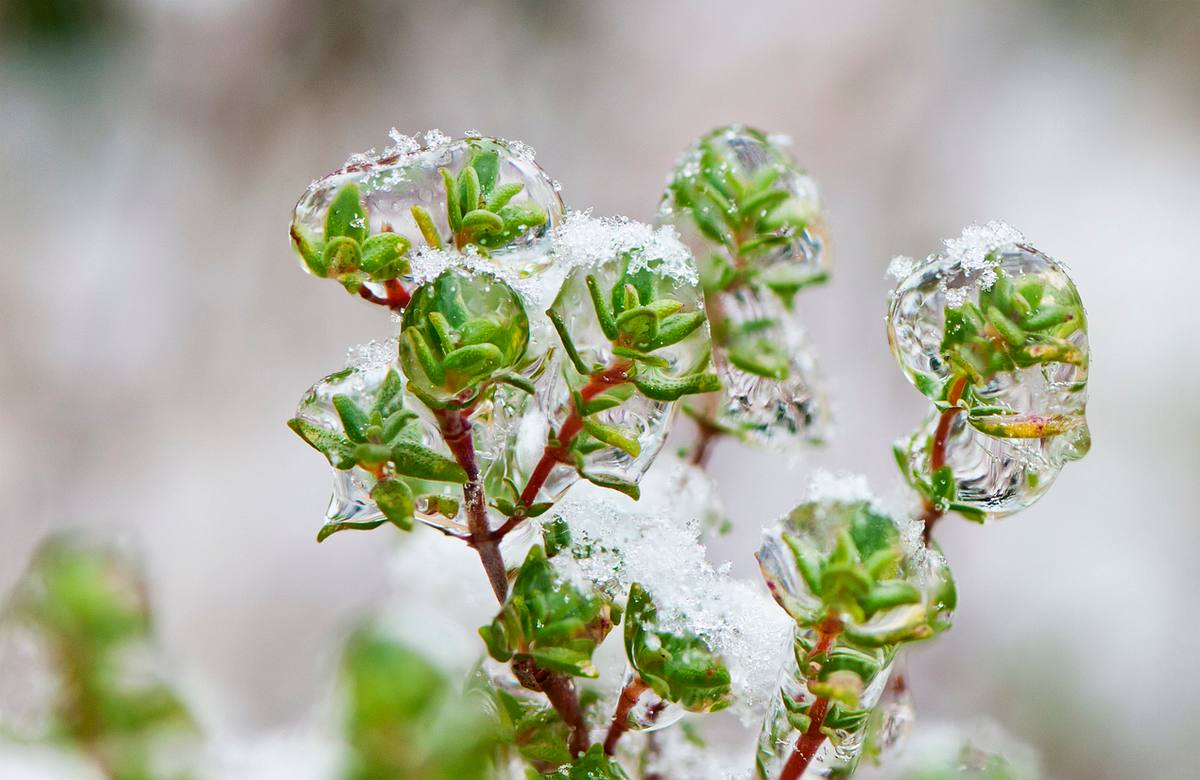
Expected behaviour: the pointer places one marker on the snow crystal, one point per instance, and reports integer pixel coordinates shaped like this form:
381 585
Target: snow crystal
900 267
617 542
825 486
435 139
586 241
372 355
974 249
401 144
521 150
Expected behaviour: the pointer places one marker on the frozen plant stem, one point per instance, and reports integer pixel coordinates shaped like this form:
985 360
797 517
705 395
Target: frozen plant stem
937 453
396 299
597 384
812 738
456 430
560 690
620 722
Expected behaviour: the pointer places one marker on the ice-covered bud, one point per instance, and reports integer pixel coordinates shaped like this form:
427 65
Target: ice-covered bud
460 334
548 623
678 666
771 389
358 225
389 462
631 323
840 564
748 212
996 329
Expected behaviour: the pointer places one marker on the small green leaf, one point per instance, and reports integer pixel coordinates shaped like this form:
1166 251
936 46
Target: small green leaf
412 340
944 487
522 383
395 500
427 227
341 256
613 436
346 216
886 595
468 190
337 449
658 386
473 360
310 252
603 313
480 221
487 168
383 256
453 208
354 420
556 536
503 194
1009 330
415 460
568 344
329 529
676 327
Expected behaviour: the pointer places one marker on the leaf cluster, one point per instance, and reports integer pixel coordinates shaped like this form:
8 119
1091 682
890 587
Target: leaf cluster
479 210
383 439
348 251
679 667
549 621
939 489
461 335
749 215
1014 324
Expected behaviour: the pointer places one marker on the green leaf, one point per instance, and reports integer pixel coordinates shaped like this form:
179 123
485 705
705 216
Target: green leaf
675 328
337 449
415 460
886 595
341 256
329 529
412 341
556 536
518 381
354 420
637 327
443 333
487 168
944 486
503 194
453 208
395 500
613 436
594 765
480 221
1009 330
310 252
388 399
603 313
611 398
658 386
346 216
568 344
473 360
468 190
565 660
427 227
625 486
383 256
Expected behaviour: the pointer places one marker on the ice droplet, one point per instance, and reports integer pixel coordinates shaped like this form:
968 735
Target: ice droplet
407 176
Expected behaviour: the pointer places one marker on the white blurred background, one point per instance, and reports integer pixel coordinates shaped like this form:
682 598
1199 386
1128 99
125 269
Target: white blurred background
155 331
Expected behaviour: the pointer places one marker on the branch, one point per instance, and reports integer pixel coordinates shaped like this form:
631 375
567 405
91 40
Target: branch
937 453
560 690
811 740
397 297
620 721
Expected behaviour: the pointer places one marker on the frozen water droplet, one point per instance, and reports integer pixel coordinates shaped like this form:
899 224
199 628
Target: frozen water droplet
768 372
408 176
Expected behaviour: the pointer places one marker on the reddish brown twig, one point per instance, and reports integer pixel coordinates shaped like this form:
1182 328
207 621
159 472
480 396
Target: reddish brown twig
553 455
396 297
560 690
620 721
811 740
456 430
937 452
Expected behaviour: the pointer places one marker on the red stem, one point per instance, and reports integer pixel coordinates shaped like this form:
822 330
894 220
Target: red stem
811 740
560 690
937 451
620 722
397 297
456 430
551 456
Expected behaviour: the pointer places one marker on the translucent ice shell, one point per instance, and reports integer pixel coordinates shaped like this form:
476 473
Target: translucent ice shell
504 208
640 339
747 212
1006 340
843 560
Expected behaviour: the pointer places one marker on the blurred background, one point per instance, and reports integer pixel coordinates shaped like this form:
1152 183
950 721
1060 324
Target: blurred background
155 331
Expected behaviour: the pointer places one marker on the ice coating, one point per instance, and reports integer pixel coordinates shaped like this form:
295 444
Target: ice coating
627 289
747 212
615 542
997 329
771 392
410 175
438 504
839 526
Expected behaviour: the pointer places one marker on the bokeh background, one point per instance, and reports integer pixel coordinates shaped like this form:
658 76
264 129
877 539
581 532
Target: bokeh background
155 331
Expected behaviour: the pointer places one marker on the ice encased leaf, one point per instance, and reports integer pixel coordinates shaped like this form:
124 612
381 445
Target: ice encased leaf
408 176
619 255
771 392
747 212
839 556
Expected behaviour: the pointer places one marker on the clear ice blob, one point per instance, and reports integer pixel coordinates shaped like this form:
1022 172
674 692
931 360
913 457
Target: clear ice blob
770 391
362 223
630 318
997 327
839 558
997 476
436 503
747 212
892 721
